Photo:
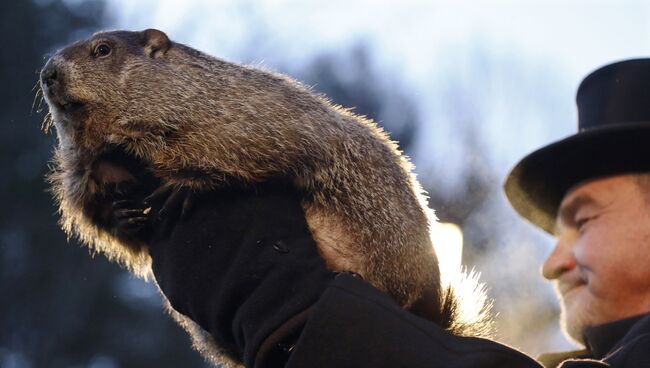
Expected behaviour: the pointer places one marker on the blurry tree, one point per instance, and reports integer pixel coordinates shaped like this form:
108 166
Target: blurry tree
59 307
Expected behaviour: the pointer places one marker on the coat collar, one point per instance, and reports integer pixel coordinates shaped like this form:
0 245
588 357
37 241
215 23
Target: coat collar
601 340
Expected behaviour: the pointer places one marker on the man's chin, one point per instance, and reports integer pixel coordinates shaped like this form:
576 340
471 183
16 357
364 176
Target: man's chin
574 317
571 330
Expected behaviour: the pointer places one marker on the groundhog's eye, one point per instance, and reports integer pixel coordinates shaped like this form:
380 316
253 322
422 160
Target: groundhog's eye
102 50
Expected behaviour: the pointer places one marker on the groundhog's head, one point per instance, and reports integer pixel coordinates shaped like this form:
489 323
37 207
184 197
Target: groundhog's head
99 89
139 93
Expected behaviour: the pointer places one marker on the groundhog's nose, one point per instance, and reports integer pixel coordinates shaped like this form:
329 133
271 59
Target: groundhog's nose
49 74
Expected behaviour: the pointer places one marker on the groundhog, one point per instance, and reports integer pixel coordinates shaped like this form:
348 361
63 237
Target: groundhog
134 112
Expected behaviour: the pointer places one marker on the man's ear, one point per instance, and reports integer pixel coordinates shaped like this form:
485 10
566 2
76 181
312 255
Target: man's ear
156 43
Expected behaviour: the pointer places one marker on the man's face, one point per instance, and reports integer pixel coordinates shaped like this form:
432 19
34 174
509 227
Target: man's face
601 262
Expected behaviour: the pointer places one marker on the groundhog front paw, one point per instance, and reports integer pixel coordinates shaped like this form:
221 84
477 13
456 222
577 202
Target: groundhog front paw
172 203
131 219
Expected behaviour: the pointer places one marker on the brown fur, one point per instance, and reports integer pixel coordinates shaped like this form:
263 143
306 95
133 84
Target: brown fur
202 122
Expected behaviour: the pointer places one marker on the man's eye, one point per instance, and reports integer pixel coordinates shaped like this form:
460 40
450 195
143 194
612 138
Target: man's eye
580 223
102 50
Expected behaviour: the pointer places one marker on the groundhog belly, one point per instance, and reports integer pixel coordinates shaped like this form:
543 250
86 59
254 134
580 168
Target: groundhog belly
333 243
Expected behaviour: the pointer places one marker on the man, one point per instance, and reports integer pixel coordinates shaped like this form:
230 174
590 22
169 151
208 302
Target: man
592 191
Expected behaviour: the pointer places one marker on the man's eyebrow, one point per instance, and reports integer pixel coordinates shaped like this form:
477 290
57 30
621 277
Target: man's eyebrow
567 211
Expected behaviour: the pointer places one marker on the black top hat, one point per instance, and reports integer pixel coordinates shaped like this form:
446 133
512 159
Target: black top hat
613 138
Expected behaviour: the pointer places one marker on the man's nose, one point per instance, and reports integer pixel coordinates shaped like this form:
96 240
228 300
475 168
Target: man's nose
49 74
559 261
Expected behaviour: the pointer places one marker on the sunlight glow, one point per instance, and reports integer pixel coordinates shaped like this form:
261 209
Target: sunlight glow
448 244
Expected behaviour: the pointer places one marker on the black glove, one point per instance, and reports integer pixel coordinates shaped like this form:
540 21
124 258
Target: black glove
242 264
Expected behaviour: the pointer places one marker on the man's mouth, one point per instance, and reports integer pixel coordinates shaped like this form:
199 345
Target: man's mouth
570 290
568 285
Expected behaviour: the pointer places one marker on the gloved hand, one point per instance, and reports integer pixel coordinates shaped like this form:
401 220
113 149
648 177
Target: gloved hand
242 264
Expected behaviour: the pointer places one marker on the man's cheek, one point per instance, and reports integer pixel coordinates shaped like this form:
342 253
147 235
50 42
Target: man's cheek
603 282
585 250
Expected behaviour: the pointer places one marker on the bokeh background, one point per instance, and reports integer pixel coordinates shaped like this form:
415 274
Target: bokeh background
467 88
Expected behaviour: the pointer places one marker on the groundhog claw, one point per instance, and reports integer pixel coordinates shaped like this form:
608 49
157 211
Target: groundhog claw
174 202
130 219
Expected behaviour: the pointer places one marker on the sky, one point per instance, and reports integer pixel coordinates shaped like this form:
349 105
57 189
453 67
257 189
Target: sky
423 42
512 66
571 34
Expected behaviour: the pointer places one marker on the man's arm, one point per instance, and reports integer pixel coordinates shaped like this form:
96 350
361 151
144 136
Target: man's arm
243 266
355 325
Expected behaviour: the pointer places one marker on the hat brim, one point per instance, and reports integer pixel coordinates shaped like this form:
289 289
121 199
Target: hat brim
536 185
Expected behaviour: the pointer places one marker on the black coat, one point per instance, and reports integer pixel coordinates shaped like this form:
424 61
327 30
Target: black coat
621 344
351 324
355 325
222 266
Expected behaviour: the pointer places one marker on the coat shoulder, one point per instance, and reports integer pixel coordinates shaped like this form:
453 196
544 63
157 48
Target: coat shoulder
354 325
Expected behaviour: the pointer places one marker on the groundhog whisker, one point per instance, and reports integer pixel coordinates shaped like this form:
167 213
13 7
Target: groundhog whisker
48 121
37 85
38 96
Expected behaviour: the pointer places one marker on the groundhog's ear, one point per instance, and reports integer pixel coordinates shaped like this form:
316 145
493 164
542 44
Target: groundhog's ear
156 42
